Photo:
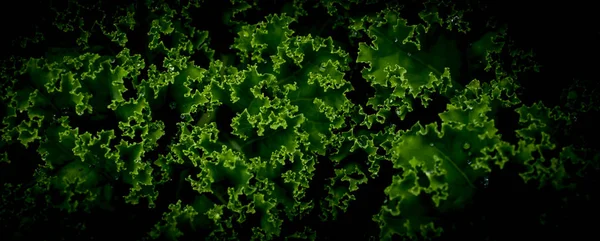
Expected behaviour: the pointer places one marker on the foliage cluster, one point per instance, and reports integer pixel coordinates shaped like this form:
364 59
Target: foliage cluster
279 120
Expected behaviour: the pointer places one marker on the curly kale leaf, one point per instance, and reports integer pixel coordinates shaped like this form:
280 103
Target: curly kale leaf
262 139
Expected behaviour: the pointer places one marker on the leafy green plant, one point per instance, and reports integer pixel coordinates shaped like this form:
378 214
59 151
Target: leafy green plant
264 127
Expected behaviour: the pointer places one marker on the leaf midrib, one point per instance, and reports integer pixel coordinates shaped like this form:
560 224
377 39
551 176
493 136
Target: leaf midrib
455 166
